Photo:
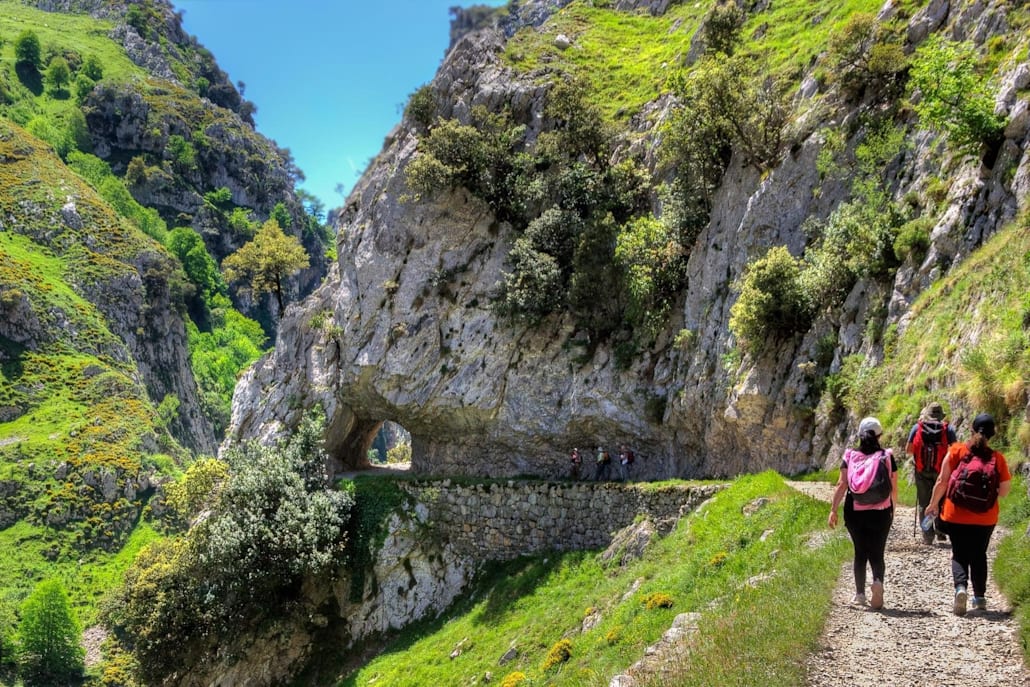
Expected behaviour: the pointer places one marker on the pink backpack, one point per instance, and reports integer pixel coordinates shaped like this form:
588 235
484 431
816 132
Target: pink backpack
869 478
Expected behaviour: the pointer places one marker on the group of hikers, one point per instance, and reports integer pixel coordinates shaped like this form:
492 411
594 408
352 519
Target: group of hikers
603 464
958 485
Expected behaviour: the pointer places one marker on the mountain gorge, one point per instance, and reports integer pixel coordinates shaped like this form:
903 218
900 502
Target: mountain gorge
718 233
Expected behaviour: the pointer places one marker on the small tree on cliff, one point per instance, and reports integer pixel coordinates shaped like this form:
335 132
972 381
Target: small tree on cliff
267 261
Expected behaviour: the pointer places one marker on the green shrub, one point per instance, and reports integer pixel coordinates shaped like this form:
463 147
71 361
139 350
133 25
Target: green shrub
953 96
27 50
722 28
866 54
276 521
48 636
913 239
197 487
655 271
421 107
58 74
773 303
533 288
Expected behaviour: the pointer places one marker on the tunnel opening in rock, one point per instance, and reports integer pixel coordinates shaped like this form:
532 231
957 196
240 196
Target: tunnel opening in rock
391 445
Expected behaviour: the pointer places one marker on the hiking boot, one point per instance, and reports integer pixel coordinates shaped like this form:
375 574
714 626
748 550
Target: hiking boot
942 537
979 604
858 599
877 595
961 596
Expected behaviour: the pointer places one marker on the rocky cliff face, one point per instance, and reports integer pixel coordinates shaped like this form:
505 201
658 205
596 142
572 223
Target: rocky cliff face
403 329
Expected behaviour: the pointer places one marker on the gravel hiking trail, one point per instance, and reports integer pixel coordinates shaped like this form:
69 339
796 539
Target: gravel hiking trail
915 640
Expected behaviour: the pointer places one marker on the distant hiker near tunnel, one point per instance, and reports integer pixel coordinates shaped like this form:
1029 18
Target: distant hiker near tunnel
928 443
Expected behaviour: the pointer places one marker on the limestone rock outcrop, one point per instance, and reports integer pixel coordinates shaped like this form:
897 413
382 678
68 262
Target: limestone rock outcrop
403 329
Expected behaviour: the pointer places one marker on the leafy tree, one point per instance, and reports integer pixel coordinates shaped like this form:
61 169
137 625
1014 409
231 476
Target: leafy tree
273 522
953 96
421 107
773 303
201 269
654 268
722 28
533 288
58 74
27 50
281 215
866 53
48 636
750 116
267 261
92 68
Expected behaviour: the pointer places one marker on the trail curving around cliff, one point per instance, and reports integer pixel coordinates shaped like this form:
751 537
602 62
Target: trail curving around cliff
915 640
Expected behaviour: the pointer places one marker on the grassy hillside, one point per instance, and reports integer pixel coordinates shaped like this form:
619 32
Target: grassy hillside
91 278
74 409
729 567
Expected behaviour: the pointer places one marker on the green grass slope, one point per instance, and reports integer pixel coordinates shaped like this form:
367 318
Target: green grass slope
731 568
75 419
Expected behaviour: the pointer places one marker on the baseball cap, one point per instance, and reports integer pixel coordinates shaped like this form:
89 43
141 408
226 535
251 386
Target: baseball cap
984 424
870 424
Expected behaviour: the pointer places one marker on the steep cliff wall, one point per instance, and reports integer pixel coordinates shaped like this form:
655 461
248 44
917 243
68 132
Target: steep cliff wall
430 551
404 329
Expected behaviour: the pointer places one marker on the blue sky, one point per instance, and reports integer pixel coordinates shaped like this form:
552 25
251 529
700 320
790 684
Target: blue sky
329 77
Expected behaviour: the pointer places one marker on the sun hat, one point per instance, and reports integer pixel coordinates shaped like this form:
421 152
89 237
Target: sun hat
870 424
933 411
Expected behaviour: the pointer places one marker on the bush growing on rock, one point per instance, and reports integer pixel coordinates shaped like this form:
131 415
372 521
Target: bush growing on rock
773 302
275 521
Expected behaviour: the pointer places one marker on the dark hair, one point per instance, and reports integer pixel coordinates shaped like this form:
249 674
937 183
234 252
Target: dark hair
869 443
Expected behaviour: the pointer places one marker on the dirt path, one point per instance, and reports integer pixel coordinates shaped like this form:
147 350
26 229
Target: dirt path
918 640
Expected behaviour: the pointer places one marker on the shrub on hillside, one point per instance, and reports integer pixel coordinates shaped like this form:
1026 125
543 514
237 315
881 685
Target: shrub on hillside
27 50
773 303
953 96
866 55
276 520
421 108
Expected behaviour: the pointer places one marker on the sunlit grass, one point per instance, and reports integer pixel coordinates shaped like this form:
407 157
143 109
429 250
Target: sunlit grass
702 566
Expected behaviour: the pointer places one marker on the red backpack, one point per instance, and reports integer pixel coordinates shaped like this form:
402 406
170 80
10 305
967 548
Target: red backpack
974 481
929 446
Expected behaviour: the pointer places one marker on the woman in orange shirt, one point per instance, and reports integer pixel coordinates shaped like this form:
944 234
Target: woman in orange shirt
969 526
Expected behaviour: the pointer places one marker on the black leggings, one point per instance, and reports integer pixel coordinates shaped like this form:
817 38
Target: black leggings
868 530
969 555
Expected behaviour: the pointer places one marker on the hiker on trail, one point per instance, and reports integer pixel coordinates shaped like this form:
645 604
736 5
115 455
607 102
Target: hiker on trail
868 485
928 444
626 459
576 461
973 477
602 464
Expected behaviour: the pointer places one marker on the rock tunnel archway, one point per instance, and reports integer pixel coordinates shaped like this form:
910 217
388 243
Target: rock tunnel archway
363 444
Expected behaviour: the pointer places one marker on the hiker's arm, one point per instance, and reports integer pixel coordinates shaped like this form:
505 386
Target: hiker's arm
838 496
1004 488
894 486
940 486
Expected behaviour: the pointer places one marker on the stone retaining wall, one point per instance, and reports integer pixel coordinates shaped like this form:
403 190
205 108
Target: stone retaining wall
503 520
